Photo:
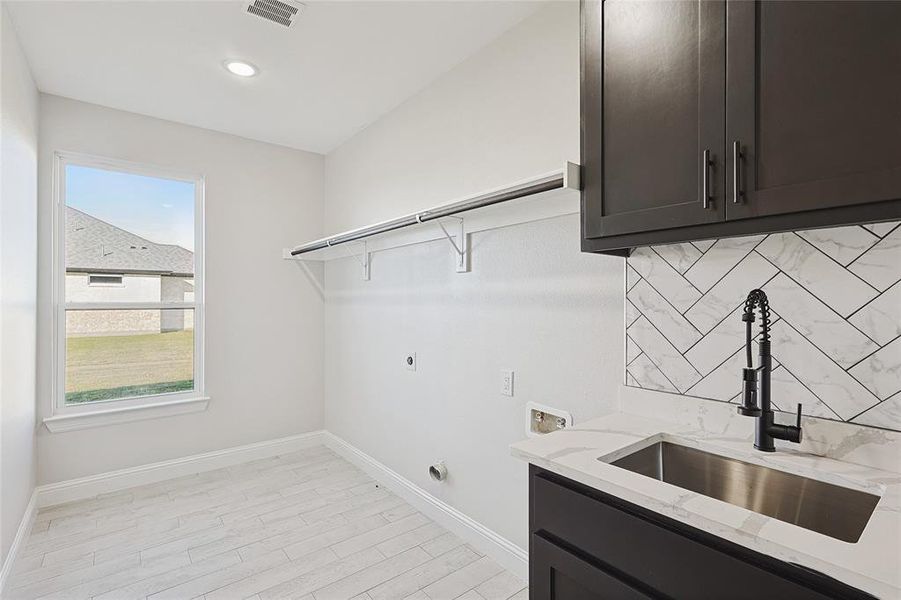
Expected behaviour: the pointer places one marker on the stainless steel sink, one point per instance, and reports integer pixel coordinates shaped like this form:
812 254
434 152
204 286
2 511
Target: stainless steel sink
832 510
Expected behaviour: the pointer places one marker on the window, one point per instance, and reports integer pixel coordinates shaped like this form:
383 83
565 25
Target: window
100 280
129 274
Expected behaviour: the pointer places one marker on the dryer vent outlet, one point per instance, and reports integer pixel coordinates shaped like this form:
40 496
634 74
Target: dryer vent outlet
438 471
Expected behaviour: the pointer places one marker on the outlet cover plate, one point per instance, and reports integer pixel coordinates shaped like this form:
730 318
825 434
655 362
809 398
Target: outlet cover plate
507 382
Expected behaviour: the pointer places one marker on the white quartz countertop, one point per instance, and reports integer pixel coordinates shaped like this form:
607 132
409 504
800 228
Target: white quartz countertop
873 564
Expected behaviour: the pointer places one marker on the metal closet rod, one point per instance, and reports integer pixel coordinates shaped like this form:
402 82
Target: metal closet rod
554 183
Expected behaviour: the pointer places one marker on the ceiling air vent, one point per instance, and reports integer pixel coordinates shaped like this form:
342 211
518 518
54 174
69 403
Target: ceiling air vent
277 11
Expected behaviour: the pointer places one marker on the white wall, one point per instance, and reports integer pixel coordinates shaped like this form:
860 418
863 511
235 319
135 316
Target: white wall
532 303
263 341
18 264
509 112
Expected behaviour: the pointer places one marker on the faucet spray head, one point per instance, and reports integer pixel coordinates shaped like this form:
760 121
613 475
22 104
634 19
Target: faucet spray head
749 406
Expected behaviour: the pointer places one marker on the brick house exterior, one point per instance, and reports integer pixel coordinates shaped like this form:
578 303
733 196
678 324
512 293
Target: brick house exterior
105 263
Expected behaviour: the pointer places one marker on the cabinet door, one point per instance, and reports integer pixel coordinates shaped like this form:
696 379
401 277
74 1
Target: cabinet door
813 101
557 574
652 108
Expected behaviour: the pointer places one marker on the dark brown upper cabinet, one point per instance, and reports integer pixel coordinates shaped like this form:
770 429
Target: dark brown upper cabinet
814 102
709 119
655 134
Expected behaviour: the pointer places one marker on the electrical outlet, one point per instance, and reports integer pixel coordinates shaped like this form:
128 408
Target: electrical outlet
410 361
507 383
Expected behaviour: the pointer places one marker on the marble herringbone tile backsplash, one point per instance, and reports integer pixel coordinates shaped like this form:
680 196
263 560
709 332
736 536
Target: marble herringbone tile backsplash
835 296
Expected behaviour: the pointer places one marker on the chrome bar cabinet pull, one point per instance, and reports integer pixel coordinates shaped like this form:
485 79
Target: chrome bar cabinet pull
705 179
736 172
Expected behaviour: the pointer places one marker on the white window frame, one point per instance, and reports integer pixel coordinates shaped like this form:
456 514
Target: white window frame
65 417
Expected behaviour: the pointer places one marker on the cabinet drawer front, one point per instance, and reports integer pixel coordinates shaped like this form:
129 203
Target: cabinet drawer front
558 574
662 559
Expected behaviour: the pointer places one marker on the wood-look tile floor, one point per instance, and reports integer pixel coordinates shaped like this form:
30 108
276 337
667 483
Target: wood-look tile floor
307 525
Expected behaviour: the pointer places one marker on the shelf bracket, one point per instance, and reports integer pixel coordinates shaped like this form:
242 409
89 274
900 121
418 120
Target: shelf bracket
460 246
364 258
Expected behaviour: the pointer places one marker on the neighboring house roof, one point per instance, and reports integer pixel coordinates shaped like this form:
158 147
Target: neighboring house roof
93 245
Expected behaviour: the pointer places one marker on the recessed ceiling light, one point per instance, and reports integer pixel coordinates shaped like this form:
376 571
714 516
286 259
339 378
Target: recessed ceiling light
240 68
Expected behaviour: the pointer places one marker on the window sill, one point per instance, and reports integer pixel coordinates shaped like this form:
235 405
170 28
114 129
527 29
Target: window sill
114 416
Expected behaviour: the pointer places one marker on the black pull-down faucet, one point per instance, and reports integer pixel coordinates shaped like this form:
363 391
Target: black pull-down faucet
755 398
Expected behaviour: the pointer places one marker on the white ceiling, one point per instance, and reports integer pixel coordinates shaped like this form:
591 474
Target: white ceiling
337 69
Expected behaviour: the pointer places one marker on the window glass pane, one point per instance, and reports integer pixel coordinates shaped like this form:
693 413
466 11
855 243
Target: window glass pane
131 226
114 354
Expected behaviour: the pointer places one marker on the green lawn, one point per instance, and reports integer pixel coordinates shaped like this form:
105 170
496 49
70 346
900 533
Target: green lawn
109 367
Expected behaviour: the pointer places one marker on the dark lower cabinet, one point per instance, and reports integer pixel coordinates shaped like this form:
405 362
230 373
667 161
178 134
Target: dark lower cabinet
564 574
713 118
585 544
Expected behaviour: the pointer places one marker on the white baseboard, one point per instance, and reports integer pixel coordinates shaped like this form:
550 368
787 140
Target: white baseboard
506 553
502 550
88 487
21 533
